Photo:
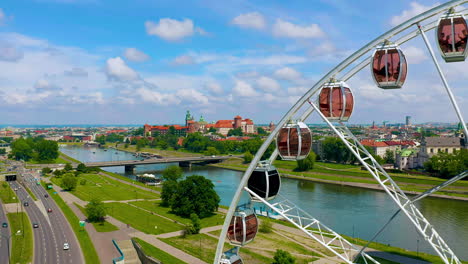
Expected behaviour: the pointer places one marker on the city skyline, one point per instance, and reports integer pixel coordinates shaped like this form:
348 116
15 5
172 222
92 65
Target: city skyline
89 62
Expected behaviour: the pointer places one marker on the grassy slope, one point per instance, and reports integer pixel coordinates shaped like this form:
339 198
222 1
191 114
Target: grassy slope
22 245
86 244
141 220
6 193
100 227
157 253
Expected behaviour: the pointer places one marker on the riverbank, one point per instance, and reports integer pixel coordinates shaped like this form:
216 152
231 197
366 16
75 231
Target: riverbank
372 186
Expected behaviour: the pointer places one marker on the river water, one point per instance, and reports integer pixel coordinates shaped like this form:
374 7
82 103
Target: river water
347 210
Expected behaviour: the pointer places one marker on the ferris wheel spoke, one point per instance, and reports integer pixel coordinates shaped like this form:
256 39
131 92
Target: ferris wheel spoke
315 229
393 190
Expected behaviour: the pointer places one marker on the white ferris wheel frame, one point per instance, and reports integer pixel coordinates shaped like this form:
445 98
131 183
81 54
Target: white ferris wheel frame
312 226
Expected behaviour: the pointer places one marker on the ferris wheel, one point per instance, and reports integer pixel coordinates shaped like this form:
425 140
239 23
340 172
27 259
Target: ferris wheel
332 99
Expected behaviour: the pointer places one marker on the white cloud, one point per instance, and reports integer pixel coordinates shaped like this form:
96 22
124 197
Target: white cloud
172 29
133 54
244 89
10 53
76 72
253 20
287 73
117 69
414 55
415 9
192 96
297 90
214 88
183 60
151 96
289 30
268 84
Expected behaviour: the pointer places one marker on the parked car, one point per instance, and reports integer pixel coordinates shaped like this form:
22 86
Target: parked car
5 224
66 246
35 225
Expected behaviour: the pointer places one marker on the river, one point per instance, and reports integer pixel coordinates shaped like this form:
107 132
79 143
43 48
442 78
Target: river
347 210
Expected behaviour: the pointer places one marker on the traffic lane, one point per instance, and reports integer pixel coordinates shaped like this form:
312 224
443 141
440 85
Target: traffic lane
64 232
46 248
4 237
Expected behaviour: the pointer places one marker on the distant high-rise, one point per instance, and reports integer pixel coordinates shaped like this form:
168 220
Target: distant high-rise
408 120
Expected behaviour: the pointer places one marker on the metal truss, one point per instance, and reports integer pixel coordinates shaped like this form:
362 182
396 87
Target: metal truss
393 190
316 230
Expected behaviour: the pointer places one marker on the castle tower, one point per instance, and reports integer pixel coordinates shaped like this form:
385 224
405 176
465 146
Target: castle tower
237 122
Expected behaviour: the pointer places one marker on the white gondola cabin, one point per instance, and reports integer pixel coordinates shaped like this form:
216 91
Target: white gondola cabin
451 35
265 181
336 101
294 141
389 67
243 227
231 257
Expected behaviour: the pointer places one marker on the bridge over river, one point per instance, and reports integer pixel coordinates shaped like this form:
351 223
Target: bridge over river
183 162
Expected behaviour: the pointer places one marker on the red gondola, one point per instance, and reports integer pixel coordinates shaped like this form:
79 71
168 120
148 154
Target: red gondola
389 67
265 181
451 34
336 101
294 141
243 227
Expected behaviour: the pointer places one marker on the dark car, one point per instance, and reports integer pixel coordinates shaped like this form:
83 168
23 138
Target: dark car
4 224
49 210
26 204
35 225
46 195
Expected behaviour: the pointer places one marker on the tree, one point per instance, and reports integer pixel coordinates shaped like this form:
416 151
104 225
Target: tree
81 168
261 131
69 181
212 130
195 194
307 163
21 150
265 227
170 177
335 150
2 151
235 132
389 157
283 257
211 151
95 210
138 132
447 165
68 167
46 170
195 226
248 157
101 139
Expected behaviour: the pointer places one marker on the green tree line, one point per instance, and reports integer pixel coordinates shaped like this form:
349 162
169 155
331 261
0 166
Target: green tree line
37 149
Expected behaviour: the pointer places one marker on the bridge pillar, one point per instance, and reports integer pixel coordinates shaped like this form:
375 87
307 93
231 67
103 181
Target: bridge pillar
130 168
187 164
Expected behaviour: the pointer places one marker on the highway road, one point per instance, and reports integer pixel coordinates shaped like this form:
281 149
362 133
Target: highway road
46 247
4 237
61 230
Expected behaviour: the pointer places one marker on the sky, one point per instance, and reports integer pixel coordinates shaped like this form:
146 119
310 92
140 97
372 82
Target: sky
149 61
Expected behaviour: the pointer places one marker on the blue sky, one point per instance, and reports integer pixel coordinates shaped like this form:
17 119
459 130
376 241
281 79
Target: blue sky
121 62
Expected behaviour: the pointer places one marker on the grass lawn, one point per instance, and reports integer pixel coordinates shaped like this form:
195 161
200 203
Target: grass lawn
102 226
106 189
7 195
154 206
158 254
120 177
141 220
58 160
86 244
69 158
22 245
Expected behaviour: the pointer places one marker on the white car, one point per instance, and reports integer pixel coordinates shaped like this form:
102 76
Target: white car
66 246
